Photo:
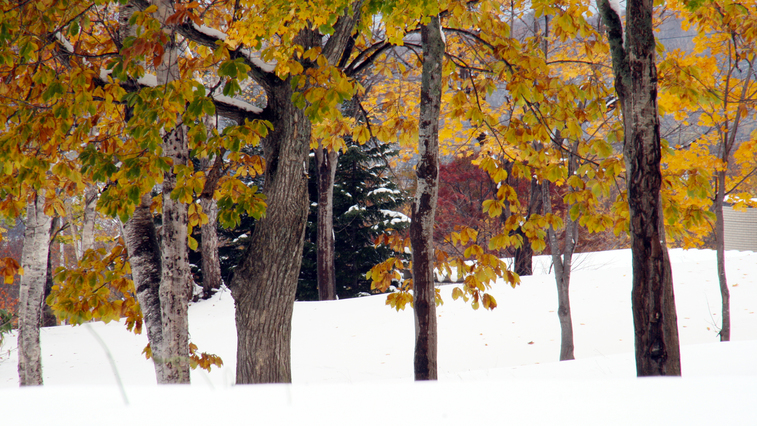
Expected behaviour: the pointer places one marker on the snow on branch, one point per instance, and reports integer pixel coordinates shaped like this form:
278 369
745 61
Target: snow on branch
236 103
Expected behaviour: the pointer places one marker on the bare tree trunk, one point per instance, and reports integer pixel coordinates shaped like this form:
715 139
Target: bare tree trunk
424 206
175 284
725 295
264 284
142 244
88 220
653 304
326 162
31 290
524 256
562 262
48 317
211 264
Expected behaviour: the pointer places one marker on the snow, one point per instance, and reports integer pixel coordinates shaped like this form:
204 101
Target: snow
615 6
149 80
352 360
212 32
383 191
263 65
397 217
236 103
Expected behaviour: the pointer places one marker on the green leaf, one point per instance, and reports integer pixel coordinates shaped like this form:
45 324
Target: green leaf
192 243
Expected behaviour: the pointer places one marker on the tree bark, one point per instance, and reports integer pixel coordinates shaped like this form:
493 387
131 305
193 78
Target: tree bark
264 284
48 317
653 304
725 295
424 206
326 162
88 220
175 283
524 256
31 290
141 239
211 264
562 261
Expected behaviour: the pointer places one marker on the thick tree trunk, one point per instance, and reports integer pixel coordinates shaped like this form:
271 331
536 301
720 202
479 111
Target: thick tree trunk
31 290
424 206
175 284
211 264
326 162
725 295
653 304
142 244
264 284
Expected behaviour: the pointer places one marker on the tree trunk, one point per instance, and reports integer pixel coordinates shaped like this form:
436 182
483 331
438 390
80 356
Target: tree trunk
326 162
88 220
562 261
265 282
524 256
653 304
175 283
211 264
48 317
725 329
31 290
424 206
142 244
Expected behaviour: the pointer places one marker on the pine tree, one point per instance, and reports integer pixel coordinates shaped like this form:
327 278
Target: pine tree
366 201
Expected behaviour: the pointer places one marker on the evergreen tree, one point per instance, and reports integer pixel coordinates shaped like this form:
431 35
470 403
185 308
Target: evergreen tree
366 201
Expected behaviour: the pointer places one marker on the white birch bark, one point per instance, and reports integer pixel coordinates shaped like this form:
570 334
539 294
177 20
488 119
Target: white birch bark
88 220
175 286
31 291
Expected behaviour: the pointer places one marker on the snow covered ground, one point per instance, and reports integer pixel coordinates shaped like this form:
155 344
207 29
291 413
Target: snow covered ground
352 361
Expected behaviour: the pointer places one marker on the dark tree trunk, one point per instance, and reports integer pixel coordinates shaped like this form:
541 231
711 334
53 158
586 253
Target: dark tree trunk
142 244
211 264
32 289
524 256
48 317
424 206
653 304
326 162
264 284
725 295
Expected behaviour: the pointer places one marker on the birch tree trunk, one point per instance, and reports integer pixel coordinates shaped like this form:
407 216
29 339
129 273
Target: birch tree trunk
326 162
141 239
31 290
88 220
424 206
653 304
175 286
